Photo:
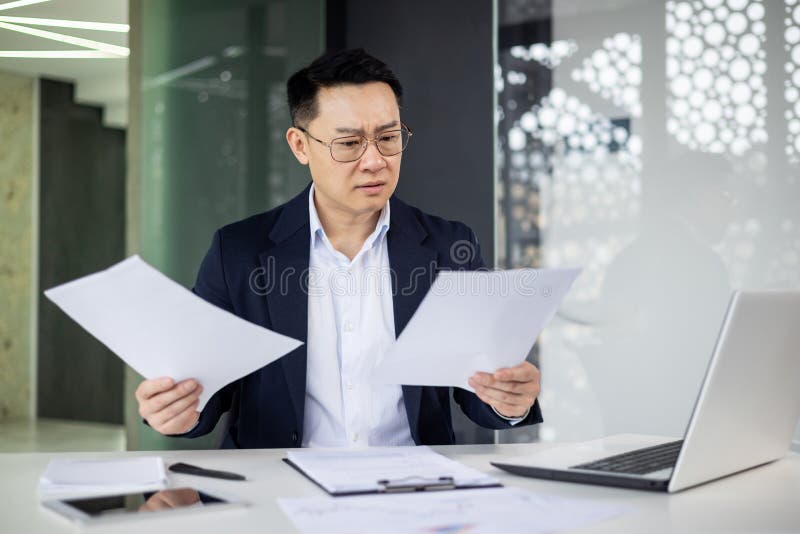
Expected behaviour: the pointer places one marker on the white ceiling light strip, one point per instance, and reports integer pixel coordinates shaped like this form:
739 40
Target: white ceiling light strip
20 3
56 54
80 24
77 41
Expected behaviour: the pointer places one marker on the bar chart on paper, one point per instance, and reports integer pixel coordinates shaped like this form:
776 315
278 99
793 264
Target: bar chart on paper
477 511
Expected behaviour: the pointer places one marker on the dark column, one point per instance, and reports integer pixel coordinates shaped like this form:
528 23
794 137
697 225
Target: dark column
443 54
82 222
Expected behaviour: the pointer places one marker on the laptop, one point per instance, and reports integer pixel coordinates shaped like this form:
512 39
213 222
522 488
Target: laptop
744 416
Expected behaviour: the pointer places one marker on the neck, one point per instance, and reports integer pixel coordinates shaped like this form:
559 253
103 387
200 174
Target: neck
346 231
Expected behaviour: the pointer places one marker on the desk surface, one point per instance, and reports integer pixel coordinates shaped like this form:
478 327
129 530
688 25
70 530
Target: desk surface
765 499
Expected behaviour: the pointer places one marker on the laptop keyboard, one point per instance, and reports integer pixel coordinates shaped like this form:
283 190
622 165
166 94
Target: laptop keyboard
638 462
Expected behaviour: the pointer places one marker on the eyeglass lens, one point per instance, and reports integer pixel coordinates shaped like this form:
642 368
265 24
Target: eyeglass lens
353 147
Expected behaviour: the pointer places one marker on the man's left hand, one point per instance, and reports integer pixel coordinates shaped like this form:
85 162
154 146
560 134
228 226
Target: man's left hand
511 391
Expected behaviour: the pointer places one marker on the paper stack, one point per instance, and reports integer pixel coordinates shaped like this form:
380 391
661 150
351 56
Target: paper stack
109 477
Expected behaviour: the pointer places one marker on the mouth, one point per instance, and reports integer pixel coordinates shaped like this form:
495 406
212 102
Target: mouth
371 187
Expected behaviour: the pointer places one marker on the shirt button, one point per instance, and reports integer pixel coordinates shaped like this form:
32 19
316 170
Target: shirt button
349 385
348 326
355 437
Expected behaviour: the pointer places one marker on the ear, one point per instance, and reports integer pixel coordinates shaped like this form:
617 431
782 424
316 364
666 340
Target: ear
298 143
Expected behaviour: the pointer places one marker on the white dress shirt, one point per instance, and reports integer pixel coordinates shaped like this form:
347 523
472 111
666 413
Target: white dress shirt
350 326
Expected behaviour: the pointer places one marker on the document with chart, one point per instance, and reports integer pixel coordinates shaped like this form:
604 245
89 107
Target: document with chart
478 511
474 321
160 328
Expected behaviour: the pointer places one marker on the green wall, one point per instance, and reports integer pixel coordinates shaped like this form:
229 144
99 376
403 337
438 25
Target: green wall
206 136
17 233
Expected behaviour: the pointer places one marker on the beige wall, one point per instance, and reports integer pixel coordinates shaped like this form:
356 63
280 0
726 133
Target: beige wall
17 211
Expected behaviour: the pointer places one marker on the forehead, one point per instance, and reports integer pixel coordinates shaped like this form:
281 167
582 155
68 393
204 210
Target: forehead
356 106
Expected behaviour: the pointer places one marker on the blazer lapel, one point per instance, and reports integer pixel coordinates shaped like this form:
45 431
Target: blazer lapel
287 302
413 268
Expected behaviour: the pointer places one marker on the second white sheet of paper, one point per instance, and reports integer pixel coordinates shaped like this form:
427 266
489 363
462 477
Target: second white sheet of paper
474 321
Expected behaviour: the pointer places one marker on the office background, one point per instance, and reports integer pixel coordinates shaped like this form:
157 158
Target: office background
655 144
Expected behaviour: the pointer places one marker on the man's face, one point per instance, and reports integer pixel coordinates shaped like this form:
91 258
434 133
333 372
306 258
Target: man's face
359 187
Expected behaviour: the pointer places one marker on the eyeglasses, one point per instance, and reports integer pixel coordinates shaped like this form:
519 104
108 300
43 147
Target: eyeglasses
352 147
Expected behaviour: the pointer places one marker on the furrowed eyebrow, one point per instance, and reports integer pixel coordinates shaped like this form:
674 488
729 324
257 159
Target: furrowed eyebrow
360 131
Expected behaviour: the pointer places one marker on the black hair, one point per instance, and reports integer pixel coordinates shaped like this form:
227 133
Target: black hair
353 66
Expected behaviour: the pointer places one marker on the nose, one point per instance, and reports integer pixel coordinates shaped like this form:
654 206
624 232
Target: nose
372 160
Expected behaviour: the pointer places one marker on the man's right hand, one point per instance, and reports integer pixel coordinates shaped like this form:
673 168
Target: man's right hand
169 407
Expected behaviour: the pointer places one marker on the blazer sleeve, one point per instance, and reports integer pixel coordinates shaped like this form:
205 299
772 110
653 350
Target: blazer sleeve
474 408
212 287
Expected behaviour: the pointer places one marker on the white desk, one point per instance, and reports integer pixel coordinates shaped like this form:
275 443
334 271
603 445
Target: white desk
766 499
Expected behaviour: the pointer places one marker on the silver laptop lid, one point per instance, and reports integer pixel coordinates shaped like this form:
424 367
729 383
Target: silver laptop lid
749 404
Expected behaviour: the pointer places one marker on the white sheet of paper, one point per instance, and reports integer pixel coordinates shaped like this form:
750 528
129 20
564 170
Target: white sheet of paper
72 477
359 470
474 321
160 328
477 511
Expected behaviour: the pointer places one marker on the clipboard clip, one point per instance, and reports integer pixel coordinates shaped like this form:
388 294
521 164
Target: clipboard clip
414 483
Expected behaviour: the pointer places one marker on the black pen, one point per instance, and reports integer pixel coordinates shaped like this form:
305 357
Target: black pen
187 469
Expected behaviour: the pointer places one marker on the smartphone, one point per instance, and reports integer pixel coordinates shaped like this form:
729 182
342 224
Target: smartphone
111 508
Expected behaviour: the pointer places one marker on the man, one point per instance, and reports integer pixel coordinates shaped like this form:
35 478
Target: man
342 266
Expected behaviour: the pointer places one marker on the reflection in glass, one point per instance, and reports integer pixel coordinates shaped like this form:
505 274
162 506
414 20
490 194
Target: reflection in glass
210 120
171 498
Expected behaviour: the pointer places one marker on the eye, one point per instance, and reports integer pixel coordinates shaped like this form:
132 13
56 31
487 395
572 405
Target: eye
389 137
349 143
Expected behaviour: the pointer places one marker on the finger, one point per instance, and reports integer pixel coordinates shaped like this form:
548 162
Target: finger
529 387
509 399
524 372
154 503
482 379
182 422
480 375
148 388
182 497
176 408
158 402
508 410
171 499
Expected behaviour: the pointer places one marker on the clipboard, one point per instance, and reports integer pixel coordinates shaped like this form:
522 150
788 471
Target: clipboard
407 483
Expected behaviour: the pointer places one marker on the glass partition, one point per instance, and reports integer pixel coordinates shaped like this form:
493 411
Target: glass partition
208 121
655 145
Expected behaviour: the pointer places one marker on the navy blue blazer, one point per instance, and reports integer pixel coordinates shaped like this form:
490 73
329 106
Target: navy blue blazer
257 268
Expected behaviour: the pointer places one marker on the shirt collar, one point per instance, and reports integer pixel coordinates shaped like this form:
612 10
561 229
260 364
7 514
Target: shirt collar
317 231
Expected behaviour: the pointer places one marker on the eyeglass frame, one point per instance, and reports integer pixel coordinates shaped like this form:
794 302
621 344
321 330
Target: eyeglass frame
369 141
